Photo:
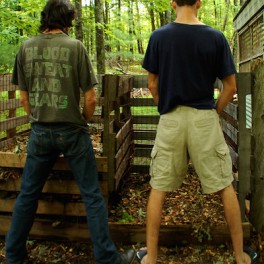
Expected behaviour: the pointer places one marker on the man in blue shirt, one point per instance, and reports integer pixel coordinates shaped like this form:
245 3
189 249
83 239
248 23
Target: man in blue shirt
183 60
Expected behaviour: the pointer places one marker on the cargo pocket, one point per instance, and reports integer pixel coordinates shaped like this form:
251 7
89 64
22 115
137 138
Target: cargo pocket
222 152
152 168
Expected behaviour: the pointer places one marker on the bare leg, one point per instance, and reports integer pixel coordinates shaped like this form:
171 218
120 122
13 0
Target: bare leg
233 219
154 210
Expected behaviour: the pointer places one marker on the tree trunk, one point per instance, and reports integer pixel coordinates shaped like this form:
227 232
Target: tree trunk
226 15
107 23
139 38
78 20
131 30
152 15
100 47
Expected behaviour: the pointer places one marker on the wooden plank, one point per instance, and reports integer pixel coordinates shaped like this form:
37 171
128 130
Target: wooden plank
5 83
13 122
123 133
125 84
230 131
140 81
229 119
123 166
10 104
8 159
170 235
127 144
144 134
146 119
138 168
244 84
58 186
142 102
142 152
52 207
257 183
6 142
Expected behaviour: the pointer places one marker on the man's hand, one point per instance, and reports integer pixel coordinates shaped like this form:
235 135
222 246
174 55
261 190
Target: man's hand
89 104
227 94
153 84
24 100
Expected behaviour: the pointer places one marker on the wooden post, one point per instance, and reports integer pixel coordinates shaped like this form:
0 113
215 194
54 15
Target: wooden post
12 113
244 81
110 91
257 201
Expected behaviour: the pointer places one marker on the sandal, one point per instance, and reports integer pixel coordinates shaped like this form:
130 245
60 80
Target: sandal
253 254
141 254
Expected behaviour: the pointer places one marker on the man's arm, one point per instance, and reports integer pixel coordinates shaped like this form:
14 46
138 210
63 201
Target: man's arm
24 100
229 89
153 83
89 104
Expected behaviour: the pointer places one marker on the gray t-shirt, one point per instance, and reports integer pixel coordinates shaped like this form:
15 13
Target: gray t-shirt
53 68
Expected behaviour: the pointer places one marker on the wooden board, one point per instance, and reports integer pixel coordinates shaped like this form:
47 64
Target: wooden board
124 233
13 122
5 83
52 207
10 104
8 159
58 186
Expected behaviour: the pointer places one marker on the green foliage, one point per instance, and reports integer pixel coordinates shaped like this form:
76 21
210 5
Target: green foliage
127 29
7 57
126 218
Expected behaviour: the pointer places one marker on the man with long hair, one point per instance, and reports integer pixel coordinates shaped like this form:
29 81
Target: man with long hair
50 70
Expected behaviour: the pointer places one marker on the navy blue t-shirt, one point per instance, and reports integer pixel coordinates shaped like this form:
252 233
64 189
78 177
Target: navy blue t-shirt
188 59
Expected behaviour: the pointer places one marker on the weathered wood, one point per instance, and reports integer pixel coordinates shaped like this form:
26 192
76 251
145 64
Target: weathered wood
145 134
249 10
230 119
52 207
244 84
146 120
58 186
257 203
9 159
5 83
9 104
142 102
123 166
125 233
13 122
142 168
142 152
123 132
123 149
125 84
140 81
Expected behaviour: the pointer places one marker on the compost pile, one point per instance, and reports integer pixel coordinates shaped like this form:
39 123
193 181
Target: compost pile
20 142
181 206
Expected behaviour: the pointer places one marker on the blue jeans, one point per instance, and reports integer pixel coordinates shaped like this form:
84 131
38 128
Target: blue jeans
46 142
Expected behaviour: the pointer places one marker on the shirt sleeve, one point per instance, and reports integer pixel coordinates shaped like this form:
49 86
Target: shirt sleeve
87 78
226 65
151 59
18 77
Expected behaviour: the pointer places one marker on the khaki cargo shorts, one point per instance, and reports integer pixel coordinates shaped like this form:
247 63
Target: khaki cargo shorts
189 132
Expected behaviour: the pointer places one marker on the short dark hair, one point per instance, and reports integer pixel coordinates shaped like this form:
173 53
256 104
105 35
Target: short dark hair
185 2
57 14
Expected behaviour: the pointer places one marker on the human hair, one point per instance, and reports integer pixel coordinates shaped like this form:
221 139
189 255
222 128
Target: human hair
57 14
185 2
